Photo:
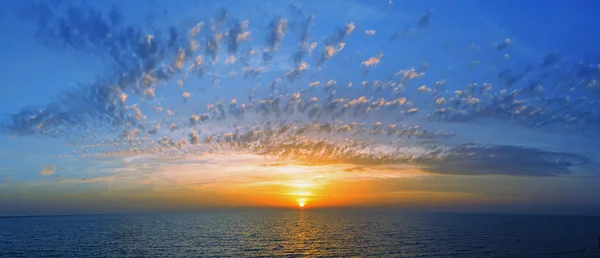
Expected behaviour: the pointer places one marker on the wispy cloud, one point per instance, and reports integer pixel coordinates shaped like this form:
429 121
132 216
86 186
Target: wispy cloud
48 170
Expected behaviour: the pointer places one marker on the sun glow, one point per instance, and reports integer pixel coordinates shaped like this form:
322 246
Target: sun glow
301 202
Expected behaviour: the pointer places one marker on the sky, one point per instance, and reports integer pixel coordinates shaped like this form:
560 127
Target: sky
150 105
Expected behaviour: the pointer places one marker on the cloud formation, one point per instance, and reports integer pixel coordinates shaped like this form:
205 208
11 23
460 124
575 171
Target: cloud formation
303 114
472 159
48 170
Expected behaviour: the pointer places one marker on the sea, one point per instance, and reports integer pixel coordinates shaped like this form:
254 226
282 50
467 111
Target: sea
300 233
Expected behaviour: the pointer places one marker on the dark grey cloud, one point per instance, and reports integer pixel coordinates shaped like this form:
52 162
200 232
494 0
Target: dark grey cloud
473 159
275 34
340 34
425 20
235 32
303 45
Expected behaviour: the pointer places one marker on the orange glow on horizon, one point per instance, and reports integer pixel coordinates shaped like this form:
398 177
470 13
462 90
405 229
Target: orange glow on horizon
244 181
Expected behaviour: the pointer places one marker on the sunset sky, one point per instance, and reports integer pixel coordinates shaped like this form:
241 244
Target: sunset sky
418 105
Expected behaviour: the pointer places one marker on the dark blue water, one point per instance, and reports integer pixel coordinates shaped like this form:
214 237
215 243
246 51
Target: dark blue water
301 233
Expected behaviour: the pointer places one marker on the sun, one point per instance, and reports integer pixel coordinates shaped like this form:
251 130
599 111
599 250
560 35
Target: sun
301 202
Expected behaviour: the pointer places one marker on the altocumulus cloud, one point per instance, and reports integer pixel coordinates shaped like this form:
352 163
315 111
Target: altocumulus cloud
328 128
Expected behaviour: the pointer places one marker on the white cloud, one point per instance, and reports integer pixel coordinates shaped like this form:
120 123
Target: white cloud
48 170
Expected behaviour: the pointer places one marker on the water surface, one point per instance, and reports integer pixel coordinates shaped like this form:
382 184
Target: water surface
301 233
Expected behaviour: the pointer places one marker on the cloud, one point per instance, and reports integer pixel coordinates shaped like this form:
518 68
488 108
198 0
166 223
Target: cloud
102 101
369 33
272 165
373 61
356 169
48 170
237 34
332 125
276 32
341 34
472 159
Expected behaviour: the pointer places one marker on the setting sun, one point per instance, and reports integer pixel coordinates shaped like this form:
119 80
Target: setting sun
301 202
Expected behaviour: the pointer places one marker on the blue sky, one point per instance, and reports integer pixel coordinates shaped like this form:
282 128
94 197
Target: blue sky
429 105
